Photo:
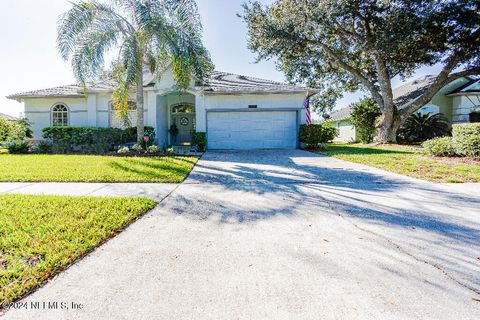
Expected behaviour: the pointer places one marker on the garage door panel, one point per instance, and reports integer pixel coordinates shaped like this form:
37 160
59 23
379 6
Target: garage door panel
252 130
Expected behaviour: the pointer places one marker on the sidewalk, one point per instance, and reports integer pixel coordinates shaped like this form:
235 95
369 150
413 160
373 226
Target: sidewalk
156 191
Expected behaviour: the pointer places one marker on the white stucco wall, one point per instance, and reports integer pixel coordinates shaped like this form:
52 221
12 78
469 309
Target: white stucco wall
462 107
92 110
242 101
38 112
346 131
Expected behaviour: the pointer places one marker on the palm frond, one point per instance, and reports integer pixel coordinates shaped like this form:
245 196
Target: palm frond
86 32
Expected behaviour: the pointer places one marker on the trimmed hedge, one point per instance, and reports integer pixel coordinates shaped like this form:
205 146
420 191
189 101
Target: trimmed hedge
83 139
199 139
466 138
465 142
440 147
314 134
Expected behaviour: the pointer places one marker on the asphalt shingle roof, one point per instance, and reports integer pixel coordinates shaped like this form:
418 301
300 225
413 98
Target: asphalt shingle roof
401 96
340 114
461 89
224 82
219 82
8 117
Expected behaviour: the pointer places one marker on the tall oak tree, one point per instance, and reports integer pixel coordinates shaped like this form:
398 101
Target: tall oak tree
344 45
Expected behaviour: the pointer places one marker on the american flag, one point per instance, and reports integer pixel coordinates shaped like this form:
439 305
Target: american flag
306 104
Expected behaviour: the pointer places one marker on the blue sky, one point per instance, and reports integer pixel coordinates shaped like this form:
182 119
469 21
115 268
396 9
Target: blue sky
29 59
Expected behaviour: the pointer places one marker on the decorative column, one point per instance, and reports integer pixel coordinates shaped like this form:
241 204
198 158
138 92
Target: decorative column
92 110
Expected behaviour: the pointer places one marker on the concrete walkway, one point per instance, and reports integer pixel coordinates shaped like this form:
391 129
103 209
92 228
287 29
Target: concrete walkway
156 191
284 235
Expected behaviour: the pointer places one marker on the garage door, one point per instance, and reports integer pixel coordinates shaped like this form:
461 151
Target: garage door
252 130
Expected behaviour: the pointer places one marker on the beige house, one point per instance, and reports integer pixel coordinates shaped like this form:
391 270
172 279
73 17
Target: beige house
459 101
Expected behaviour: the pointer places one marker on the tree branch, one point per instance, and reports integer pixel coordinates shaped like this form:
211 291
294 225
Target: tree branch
443 78
353 71
385 83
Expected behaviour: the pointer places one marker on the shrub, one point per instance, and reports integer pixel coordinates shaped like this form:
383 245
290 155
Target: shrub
153 149
364 116
421 127
18 146
199 139
440 147
314 134
44 147
137 147
466 138
123 150
82 139
130 135
6 130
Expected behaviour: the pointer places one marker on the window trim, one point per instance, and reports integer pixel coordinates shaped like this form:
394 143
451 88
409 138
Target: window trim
52 111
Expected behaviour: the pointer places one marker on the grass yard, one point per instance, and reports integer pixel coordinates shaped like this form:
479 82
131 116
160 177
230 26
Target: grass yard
408 161
41 235
85 168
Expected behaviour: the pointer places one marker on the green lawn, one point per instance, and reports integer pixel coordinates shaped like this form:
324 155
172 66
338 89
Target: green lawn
41 235
84 168
408 161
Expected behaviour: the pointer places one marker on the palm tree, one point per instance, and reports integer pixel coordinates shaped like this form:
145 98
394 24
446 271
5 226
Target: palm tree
144 34
420 127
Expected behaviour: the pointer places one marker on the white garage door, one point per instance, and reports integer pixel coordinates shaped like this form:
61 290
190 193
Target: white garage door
252 130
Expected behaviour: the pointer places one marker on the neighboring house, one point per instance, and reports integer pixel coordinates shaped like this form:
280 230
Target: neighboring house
236 112
459 101
8 117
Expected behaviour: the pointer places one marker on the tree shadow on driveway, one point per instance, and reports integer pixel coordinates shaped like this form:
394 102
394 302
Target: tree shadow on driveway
240 188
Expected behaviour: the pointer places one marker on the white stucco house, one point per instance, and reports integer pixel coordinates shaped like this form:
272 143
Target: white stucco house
459 101
236 112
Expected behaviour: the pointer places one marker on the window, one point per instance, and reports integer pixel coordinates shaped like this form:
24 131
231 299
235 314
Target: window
183 108
60 115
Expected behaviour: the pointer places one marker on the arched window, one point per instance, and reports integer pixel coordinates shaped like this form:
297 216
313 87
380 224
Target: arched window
183 108
60 115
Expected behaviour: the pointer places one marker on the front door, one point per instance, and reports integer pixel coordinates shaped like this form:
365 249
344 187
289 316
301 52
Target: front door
186 124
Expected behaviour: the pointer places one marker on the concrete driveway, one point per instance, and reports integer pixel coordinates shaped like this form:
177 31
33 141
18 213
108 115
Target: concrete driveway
284 235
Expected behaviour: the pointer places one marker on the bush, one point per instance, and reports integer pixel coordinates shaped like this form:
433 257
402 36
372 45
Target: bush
130 135
18 146
364 116
421 127
44 147
314 134
153 149
199 139
466 138
137 147
440 147
123 150
82 139
6 130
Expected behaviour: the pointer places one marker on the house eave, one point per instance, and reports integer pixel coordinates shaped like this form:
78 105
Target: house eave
258 92
463 94
21 98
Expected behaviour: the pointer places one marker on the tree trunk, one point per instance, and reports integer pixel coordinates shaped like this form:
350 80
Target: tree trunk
140 119
387 130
